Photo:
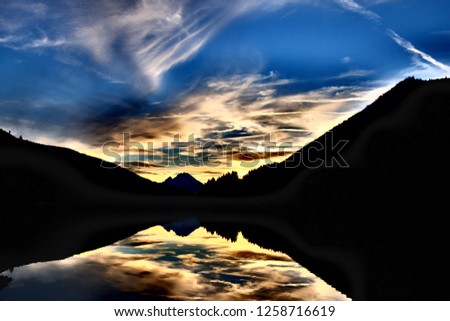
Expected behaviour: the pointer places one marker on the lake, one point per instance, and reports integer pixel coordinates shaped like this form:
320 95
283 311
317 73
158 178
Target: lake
158 264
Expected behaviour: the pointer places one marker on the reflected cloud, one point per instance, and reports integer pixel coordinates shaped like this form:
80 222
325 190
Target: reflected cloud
159 265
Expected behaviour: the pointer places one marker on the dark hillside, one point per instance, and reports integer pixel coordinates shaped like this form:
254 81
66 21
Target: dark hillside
29 172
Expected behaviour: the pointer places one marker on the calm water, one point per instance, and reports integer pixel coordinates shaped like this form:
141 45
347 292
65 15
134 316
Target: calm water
155 264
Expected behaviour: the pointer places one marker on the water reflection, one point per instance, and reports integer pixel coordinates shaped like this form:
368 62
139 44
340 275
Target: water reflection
155 264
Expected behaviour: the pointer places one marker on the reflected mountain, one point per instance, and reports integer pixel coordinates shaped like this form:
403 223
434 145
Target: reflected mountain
183 228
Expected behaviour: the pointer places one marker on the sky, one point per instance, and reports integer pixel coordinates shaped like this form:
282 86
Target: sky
206 87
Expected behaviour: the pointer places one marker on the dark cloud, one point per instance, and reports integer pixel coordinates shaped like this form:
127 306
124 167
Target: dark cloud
141 164
229 134
219 126
279 121
288 107
103 129
248 156
236 133
134 243
92 122
213 172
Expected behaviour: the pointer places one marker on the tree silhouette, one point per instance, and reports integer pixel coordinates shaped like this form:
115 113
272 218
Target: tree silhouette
228 184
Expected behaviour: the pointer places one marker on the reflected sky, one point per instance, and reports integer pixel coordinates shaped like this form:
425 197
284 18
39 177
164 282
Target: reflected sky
155 264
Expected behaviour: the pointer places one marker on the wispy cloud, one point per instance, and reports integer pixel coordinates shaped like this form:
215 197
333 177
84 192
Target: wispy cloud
153 37
269 5
346 59
357 73
157 36
377 2
6 39
136 40
44 42
442 32
351 5
18 43
17 15
408 46
34 8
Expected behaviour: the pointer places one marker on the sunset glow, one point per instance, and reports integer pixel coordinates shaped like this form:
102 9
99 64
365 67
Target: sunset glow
224 73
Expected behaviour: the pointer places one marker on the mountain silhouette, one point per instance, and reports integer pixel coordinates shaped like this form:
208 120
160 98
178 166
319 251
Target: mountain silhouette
387 207
184 181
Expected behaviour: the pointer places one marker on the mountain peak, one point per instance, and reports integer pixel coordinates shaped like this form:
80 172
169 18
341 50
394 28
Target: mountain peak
184 181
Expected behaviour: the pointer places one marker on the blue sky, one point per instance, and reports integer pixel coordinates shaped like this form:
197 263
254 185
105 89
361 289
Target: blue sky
221 73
